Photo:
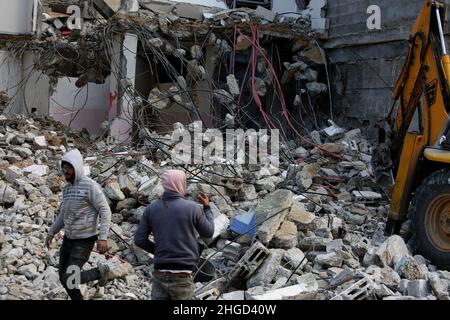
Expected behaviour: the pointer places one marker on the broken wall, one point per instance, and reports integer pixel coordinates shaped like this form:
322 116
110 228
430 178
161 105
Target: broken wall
92 99
365 64
10 75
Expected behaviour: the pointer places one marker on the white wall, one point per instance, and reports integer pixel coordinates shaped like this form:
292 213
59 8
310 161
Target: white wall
207 3
16 16
93 99
10 75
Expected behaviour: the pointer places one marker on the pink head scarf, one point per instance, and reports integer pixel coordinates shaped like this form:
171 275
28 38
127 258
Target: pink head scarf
174 181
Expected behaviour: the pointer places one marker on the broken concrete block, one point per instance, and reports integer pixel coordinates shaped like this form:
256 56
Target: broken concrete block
294 257
188 11
390 278
248 192
327 260
230 250
268 183
266 14
305 177
30 271
408 268
156 42
418 288
286 236
37 169
334 245
360 290
113 191
157 100
296 292
312 54
128 204
268 269
341 278
249 263
272 210
12 173
118 269
301 217
392 250
233 85
234 295
156 192
40 141
366 195
315 88
23 152
8 194
438 286
313 242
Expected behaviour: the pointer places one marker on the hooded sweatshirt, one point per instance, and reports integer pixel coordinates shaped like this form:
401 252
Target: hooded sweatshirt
82 206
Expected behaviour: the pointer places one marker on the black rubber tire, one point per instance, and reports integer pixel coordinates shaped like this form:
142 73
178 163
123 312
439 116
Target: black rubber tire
434 185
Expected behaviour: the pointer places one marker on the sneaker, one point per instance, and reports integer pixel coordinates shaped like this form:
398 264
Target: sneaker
104 272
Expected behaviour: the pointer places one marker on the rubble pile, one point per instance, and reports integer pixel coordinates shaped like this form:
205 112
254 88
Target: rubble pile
311 229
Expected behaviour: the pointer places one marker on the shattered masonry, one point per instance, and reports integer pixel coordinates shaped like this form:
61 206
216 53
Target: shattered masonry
318 219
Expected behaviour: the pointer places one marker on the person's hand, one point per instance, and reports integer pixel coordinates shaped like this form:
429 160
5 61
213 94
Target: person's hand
102 246
203 199
48 240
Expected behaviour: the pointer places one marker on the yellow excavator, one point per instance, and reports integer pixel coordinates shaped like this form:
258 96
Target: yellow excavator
419 139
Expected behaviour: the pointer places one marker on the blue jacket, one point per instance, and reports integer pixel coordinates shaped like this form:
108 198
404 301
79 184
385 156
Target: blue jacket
173 220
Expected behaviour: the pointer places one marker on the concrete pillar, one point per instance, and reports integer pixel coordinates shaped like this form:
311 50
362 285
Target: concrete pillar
10 75
124 75
36 87
121 110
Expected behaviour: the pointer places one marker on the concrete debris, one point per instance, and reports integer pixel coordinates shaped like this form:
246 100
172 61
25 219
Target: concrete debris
312 229
267 271
360 290
409 269
392 251
249 263
295 292
233 85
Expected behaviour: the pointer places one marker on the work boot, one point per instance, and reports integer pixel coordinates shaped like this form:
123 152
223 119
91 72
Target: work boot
104 275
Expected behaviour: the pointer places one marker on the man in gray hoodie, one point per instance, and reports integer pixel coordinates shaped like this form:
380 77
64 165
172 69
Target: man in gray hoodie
82 207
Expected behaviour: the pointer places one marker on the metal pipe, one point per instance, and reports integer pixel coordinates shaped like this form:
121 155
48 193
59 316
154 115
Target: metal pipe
441 32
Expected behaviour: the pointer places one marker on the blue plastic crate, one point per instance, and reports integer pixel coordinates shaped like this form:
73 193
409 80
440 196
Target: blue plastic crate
244 224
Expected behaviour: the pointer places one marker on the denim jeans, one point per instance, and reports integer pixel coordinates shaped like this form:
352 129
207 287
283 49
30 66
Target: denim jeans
171 287
76 253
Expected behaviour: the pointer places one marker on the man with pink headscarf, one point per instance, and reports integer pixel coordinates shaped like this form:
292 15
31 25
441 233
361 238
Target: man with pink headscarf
174 221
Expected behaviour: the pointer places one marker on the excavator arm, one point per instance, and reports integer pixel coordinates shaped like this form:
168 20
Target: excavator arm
419 115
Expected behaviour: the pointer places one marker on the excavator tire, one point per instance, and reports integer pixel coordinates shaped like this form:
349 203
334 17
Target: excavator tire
430 219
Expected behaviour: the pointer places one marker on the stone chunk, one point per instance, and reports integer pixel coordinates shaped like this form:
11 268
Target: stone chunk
286 236
392 250
113 191
275 205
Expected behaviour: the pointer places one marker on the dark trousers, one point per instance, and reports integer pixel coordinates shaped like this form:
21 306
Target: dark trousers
73 255
171 287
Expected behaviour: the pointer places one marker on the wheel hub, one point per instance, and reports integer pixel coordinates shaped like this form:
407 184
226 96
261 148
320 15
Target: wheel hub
437 222
445 222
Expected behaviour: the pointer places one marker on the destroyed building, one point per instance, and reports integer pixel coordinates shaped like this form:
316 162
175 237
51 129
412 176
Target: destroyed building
118 81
